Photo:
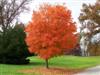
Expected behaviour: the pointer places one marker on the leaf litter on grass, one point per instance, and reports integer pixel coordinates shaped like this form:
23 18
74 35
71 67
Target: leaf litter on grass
50 71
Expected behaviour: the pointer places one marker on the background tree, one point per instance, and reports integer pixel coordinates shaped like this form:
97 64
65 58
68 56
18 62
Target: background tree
9 11
15 50
10 41
90 23
51 31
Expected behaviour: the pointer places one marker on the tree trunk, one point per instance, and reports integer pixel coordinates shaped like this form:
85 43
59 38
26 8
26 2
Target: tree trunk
47 66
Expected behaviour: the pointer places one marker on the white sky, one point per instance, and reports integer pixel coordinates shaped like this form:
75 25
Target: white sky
73 5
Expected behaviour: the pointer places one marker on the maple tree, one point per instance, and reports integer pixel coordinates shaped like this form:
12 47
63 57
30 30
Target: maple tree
51 31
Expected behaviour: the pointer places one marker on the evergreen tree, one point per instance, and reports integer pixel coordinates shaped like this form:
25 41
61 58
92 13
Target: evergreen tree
13 50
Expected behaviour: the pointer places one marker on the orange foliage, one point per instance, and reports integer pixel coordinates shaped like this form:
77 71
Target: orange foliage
50 32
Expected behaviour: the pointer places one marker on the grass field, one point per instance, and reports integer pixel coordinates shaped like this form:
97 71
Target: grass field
69 62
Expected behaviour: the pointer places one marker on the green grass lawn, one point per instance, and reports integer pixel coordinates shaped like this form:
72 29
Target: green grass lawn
71 62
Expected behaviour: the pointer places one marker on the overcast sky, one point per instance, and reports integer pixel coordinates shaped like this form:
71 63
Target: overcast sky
73 5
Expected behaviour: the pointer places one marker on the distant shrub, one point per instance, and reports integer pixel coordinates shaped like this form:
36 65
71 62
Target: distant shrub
75 51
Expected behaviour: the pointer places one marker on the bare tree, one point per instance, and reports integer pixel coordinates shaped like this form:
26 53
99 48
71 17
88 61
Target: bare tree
9 11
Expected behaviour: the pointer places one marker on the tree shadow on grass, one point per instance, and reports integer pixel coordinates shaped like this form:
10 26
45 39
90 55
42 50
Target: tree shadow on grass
36 64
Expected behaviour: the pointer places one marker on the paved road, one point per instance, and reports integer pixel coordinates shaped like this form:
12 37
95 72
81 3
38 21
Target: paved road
91 71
